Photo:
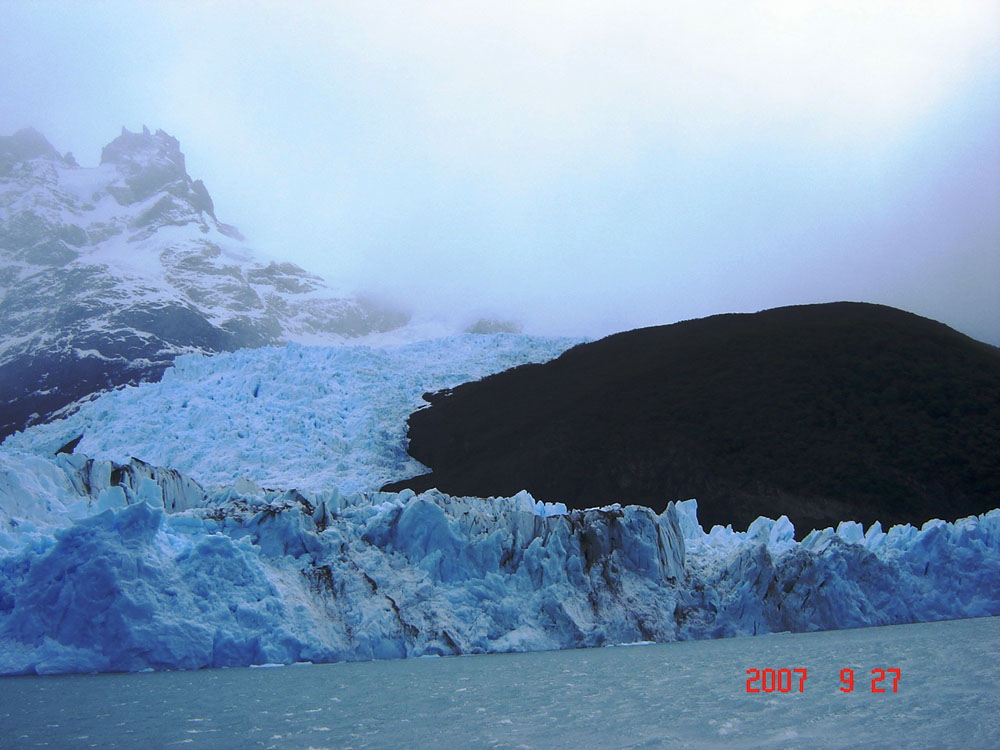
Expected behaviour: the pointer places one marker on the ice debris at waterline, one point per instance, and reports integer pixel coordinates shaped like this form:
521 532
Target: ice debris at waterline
154 572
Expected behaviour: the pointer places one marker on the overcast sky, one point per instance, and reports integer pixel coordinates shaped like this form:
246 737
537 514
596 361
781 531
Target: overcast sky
583 167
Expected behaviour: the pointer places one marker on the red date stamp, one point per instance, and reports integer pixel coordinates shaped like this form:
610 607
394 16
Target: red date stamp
785 680
771 680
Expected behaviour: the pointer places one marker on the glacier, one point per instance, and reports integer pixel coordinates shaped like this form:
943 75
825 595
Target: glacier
229 515
291 416
157 573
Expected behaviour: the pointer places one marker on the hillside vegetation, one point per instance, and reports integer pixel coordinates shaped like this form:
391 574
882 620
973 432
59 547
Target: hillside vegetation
819 412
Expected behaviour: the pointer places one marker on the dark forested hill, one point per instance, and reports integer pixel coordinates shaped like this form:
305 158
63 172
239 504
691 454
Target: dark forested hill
820 412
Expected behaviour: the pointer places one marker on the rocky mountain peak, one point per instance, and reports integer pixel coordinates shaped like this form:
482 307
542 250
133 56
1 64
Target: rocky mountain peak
27 144
151 163
137 150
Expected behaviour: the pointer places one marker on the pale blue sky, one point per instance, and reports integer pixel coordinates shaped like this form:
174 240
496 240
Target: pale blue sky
583 167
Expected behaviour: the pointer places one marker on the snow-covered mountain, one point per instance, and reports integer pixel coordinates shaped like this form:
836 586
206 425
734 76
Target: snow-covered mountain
107 273
179 558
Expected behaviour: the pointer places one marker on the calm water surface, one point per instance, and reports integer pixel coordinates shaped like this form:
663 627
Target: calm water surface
680 695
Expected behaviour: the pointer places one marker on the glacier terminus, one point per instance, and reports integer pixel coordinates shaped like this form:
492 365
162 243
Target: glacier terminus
177 560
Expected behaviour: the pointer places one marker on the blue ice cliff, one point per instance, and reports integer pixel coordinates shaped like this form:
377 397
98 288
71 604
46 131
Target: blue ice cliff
156 573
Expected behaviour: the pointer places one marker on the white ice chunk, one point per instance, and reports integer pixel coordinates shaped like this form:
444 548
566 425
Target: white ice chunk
149 492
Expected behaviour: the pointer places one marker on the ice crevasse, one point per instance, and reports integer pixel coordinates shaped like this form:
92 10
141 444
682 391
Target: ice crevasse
109 567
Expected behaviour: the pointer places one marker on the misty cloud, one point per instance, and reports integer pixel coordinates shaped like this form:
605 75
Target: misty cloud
582 168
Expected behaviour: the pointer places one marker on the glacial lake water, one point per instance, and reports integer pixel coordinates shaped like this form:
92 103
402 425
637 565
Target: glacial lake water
679 695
